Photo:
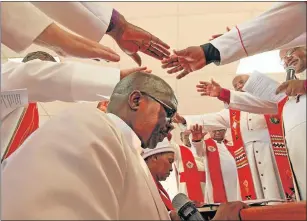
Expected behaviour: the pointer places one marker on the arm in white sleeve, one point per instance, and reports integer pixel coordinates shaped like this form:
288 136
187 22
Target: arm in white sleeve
88 19
211 121
200 148
297 42
246 102
271 30
21 24
69 81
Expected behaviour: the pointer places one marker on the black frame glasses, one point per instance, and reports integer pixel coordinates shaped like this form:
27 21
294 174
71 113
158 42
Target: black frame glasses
170 112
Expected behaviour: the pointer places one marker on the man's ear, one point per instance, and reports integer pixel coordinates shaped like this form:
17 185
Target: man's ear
134 100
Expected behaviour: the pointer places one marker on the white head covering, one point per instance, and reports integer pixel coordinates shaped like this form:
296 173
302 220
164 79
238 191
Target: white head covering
162 147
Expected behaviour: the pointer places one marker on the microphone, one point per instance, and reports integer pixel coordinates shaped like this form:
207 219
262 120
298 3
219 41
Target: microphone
290 73
186 209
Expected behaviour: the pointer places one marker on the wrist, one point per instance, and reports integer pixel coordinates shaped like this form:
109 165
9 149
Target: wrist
117 24
211 53
224 95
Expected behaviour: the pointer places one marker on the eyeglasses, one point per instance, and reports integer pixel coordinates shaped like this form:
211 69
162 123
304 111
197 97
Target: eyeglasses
170 112
288 55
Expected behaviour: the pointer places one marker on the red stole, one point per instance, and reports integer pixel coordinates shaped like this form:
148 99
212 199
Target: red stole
28 123
191 176
275 127
164 196
213 157
244 172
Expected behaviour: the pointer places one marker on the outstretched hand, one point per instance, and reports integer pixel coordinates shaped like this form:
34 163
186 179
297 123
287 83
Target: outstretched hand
197 132
185 61
131 39
212 89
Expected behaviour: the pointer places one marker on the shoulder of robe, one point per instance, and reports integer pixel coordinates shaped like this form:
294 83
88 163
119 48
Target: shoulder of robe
92 123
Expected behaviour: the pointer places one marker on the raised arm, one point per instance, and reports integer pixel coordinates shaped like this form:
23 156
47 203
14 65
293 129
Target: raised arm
94 19
237 100
276 27
68 81
210 121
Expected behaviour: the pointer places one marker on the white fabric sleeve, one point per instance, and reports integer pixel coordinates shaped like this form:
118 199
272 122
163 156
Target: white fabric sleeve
88 19
246 102
21 24
210 121
69 81
276 27
200 148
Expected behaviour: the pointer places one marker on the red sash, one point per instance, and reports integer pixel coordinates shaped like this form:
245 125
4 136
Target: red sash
275 127
244 172
191 176
213 157
28 123
164 196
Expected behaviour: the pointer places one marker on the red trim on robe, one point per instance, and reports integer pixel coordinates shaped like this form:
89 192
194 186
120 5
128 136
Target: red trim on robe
224 95
164 196
27 125
241 40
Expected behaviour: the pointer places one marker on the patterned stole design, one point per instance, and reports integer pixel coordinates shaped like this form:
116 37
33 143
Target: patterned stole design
245 176
275 127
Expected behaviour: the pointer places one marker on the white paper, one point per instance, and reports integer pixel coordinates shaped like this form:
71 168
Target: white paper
13 99
263 87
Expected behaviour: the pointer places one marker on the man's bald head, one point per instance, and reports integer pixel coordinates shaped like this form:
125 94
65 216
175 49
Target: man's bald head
239 81
144 101
41 55
295 57
147 83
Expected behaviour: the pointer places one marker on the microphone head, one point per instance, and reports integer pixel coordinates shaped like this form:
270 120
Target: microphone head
290 68
179 201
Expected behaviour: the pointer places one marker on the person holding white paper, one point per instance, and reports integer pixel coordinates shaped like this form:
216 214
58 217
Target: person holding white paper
253 132
293 116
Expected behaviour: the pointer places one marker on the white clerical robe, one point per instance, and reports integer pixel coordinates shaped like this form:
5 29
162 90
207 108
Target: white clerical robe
22 22
228 167
278 27
83 164
294 117
50 81
258 148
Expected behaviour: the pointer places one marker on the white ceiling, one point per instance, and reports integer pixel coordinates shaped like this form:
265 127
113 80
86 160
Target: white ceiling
180 24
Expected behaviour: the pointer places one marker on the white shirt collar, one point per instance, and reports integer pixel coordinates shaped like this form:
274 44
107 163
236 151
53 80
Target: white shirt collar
128 133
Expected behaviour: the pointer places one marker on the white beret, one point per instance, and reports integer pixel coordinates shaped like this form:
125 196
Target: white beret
162 147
